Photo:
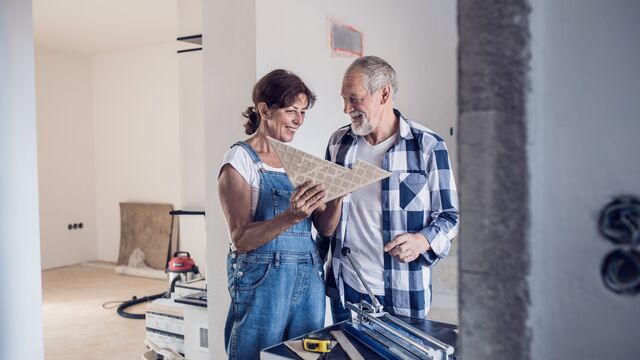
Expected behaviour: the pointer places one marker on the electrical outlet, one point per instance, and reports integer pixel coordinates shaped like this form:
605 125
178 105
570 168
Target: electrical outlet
75 226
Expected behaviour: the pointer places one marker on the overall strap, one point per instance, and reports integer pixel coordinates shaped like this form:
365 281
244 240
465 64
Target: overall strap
252 153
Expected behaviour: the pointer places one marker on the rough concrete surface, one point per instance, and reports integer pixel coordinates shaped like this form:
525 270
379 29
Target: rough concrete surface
493 56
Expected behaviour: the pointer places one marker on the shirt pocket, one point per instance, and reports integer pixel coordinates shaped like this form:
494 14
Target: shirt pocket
281 203
413 190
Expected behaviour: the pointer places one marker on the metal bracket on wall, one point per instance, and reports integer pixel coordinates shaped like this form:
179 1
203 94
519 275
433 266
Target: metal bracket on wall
193 39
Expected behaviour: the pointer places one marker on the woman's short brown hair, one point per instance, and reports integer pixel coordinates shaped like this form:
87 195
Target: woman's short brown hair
278 89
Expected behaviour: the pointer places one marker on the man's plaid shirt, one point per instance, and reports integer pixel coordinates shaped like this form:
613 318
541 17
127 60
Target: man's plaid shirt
419 196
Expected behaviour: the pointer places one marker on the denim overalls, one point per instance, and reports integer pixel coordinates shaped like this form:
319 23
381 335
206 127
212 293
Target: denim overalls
277 291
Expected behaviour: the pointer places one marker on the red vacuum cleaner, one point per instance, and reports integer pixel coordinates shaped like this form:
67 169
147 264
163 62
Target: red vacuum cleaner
181 268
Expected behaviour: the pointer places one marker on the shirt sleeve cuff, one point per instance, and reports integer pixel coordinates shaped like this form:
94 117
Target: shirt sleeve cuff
428 257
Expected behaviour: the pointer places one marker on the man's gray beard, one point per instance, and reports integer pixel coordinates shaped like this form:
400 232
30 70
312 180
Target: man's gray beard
362 129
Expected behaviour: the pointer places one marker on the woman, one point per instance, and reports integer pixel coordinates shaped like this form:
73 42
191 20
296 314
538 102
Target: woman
274 269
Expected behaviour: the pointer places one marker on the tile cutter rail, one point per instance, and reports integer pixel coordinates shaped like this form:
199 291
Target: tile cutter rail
388 336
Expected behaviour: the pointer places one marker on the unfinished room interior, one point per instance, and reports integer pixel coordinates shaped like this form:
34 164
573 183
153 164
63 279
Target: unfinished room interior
426 179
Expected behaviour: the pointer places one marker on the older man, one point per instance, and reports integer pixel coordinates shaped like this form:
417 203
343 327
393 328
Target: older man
399 228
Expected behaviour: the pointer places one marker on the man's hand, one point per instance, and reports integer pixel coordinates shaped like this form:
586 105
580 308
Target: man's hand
407 247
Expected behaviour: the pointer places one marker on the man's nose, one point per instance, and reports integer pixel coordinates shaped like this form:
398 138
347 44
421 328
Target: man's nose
347 106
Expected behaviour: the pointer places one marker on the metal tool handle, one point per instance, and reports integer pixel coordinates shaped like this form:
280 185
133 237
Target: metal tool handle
388 328
448 349
186 212
376 304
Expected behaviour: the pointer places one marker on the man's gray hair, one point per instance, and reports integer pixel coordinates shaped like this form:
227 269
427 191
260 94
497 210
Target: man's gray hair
377 73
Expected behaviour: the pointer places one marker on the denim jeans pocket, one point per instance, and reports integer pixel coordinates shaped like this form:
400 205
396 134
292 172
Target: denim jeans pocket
251 275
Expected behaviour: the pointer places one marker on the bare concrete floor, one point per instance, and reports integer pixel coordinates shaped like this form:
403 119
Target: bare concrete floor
75 324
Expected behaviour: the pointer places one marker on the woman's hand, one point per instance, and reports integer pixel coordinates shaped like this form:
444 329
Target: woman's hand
307 197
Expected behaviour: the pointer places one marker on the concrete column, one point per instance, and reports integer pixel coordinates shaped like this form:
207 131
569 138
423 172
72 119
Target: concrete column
493 56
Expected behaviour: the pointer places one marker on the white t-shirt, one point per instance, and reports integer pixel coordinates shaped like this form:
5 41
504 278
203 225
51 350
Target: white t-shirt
241 160
364 225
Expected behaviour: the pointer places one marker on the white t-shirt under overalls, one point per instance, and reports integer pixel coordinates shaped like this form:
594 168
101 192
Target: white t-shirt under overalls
239 158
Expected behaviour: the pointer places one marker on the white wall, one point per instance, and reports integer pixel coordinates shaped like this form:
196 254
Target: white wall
20 297
229 38
192 159
133 146
418 38
189 17
583 130
65 157
137 156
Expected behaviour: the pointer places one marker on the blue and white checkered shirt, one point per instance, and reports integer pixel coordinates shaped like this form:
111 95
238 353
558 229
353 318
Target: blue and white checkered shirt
419 196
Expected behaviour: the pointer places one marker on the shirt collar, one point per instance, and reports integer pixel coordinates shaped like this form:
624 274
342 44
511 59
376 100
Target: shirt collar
404 128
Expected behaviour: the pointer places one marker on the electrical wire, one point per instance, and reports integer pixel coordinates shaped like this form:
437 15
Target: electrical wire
135 301
107 305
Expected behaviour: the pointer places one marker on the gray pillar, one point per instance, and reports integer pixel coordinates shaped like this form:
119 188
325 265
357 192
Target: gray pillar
493 67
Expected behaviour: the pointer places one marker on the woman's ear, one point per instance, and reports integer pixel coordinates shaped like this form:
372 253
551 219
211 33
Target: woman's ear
263 111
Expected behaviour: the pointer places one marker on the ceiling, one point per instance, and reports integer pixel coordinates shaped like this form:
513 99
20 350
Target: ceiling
94 26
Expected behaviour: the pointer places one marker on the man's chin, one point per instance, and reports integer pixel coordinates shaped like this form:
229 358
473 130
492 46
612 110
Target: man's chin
360 130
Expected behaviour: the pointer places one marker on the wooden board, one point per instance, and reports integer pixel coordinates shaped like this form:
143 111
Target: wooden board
148 227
